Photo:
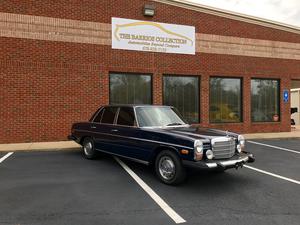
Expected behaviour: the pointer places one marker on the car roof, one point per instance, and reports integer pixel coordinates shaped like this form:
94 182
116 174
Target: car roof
135 105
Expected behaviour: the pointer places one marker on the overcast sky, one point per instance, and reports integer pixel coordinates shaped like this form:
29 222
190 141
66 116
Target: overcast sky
285 11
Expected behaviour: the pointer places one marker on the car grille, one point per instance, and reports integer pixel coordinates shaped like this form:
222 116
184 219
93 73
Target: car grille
223 147
206 146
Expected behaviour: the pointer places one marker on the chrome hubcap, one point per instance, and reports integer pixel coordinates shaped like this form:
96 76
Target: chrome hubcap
88 148
166 167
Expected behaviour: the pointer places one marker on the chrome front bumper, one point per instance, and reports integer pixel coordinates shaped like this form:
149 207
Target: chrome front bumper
234 162
230 163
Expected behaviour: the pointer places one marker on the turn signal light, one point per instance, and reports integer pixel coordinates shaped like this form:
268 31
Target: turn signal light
184 152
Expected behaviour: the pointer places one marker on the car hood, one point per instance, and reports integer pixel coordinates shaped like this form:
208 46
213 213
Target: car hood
198 132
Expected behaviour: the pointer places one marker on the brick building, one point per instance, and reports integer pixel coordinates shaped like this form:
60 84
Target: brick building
58 66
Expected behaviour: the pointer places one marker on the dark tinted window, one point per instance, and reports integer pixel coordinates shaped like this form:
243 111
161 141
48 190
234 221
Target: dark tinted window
264 100
126 116
130 89
225 103
183 93
109 115
98 117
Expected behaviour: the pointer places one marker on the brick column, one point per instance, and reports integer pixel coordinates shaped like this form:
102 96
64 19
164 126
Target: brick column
204 100
246 103
157 89
104 87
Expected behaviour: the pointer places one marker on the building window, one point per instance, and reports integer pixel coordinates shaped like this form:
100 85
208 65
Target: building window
225 100
264 100
182 92
130 89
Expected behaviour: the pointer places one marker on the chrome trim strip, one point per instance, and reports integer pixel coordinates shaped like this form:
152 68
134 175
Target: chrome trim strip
135 115
228 163
133 159
138 139
117 115
165 127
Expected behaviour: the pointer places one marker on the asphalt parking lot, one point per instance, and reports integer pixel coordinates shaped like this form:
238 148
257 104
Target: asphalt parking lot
64 188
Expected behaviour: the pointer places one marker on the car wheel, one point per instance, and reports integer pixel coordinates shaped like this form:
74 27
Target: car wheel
169 169
88 148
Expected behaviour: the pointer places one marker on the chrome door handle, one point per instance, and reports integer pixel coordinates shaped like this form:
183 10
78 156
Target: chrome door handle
93 127
114 130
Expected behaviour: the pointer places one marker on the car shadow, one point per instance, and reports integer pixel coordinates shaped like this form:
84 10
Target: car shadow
197 178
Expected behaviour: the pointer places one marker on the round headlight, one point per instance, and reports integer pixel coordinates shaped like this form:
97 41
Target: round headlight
198 150
209 154
198 146
241 143
239 148
241 140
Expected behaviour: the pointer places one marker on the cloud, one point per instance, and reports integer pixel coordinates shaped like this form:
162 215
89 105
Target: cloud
284 11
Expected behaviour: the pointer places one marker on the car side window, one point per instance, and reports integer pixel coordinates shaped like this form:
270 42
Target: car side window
126 116
109 115
98 116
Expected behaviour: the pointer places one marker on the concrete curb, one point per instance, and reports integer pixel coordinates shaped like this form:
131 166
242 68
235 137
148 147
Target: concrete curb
40 146
281 135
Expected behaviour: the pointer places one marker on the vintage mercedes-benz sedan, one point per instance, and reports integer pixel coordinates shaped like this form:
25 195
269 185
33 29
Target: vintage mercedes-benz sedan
158 135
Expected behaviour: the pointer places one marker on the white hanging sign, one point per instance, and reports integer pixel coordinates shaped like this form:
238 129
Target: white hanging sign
151 36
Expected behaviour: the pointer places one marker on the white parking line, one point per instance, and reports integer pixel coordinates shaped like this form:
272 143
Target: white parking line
6 156
273 174
271 146
168 210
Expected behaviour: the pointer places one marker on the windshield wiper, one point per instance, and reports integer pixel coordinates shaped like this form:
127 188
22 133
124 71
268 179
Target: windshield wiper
174 124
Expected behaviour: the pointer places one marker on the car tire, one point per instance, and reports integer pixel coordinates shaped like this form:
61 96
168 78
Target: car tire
169 169
88 148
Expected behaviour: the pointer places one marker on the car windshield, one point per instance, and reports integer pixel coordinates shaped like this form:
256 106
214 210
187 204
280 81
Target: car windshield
149 116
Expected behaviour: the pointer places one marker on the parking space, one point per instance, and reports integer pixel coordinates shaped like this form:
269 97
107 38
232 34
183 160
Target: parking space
275 160
291 144
63 188
235 197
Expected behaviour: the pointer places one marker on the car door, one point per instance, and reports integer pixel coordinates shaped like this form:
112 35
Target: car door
129 142
103 129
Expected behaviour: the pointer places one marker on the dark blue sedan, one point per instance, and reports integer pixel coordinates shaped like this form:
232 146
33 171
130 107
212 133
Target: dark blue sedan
159 135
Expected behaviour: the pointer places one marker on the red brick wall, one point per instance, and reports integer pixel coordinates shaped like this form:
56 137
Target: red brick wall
103 10
45 86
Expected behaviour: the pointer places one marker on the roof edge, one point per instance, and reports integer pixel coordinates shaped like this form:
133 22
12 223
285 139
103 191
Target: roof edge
231 15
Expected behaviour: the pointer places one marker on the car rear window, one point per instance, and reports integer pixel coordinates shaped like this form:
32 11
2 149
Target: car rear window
126 116
98 116
109 115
